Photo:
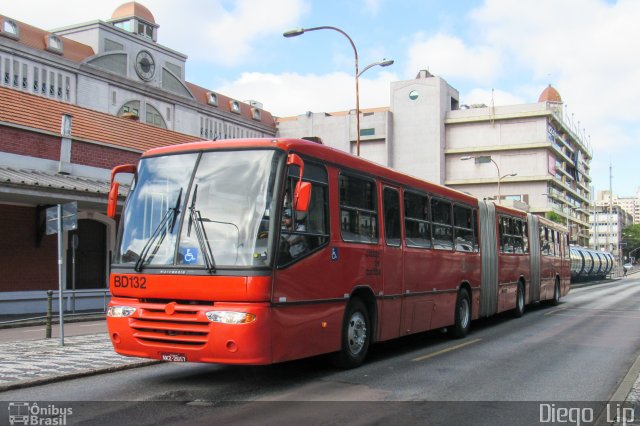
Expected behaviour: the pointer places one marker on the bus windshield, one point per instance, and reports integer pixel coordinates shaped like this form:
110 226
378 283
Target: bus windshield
224 221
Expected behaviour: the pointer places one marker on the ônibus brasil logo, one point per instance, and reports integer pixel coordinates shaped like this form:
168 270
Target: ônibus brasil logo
26 413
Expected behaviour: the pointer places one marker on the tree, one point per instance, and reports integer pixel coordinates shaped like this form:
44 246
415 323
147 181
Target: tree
631 239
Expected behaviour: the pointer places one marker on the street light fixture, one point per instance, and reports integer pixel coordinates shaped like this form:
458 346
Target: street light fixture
480 159
384 63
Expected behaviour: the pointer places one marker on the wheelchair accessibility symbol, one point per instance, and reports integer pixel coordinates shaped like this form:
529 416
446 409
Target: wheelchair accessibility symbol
334 254
189 255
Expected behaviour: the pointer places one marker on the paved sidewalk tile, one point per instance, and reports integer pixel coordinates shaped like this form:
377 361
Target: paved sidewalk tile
26 363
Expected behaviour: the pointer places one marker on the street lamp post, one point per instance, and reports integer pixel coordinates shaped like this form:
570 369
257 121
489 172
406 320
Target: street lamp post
384 63
487 159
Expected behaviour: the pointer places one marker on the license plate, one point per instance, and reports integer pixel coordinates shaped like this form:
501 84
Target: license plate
172 357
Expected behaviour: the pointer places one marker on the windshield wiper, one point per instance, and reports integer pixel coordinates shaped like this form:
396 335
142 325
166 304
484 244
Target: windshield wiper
159 233
195 219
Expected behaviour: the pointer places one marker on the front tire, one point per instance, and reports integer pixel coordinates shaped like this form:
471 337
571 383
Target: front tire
463 315
356 336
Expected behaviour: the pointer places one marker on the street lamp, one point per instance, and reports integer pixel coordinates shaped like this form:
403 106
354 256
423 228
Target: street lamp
384 63
487 159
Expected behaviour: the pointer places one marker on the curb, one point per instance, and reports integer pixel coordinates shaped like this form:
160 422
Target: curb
74 375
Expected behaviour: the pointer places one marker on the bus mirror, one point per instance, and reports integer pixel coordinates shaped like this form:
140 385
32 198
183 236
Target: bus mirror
302 197
113 200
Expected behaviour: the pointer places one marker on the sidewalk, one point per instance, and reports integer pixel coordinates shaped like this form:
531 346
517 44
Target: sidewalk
35 362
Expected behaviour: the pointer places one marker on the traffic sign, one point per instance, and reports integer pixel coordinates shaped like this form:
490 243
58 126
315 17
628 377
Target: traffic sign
69 218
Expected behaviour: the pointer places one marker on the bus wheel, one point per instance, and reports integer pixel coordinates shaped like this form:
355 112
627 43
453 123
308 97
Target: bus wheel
519 309
463 315
556 294
356 335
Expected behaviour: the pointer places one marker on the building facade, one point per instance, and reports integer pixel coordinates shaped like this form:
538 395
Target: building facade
607 223
528 155
74 103
630 204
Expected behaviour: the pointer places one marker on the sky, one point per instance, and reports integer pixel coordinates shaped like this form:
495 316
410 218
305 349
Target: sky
589 50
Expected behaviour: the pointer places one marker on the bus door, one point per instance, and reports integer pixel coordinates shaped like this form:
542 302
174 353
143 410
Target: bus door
392 264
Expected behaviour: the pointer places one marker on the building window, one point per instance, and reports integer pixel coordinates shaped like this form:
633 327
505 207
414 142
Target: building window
154 117
25 75
367 132
235 106
9 28
413 95
7 71
54 44
255 113
36 79
130 108
212 99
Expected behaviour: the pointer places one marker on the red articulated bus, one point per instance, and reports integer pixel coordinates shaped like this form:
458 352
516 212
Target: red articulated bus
262 251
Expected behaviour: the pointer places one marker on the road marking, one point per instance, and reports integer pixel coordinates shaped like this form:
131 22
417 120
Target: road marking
92 325
554 311
449 349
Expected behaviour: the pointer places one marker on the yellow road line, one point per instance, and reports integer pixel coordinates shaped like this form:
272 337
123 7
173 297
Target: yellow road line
449 349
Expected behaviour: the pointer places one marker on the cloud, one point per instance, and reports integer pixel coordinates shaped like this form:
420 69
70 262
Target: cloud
452 58
216 31
292 94
491 97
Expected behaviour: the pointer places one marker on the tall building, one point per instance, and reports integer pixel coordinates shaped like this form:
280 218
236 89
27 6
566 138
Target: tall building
531 155
630 204
74 103
606 228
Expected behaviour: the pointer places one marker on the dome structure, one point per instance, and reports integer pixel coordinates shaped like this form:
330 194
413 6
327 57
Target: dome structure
550 94
133 9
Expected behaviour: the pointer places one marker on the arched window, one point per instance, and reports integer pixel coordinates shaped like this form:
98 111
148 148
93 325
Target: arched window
151 114
131 107
154 117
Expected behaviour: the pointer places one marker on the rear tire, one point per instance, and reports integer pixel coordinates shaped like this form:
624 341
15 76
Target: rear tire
556 294
519 309
356 336
462 315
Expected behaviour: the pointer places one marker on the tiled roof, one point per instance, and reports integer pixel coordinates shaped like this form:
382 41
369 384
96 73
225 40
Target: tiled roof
78 52
37 38
223 104
43 180
36 112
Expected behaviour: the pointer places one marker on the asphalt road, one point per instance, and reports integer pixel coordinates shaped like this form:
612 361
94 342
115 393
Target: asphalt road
507 371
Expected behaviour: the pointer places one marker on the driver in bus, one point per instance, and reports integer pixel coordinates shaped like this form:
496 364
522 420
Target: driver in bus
293 245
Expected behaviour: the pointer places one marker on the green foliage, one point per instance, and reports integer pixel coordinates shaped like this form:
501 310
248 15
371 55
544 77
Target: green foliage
631 236
555 217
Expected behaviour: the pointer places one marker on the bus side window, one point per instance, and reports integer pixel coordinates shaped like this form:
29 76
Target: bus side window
442 226
391 205
303 232
358 209
463 228
544 241
417 228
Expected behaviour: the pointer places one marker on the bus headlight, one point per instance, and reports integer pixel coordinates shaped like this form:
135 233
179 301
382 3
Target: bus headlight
120 311
230 317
